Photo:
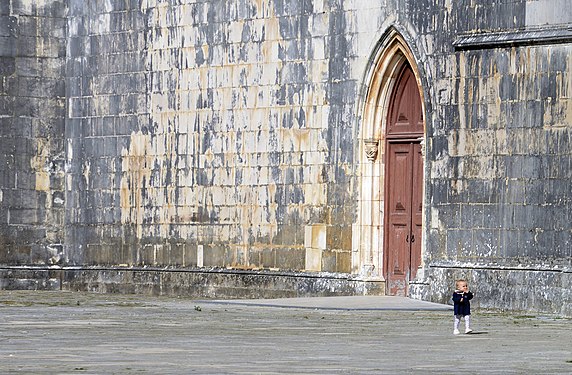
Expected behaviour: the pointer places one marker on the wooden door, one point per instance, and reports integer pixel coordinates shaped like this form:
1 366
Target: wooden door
404 186
404 215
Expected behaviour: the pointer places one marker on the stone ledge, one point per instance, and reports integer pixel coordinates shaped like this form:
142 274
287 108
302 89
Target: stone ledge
487 40
193 283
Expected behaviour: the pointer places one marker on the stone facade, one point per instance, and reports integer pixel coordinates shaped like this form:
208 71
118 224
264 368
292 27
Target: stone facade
249 134
32 124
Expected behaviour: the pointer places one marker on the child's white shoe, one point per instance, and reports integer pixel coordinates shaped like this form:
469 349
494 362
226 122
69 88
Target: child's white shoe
456 332
468 330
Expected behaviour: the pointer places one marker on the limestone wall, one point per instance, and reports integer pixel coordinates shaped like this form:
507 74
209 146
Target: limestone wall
214 133
232 134
32 118
501 156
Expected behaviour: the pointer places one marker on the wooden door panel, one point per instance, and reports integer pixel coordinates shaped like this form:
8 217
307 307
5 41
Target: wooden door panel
399 190
399 264
404 184
399 223
406 115
417 209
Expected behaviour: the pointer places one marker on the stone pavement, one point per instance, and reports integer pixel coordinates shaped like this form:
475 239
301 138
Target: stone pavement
79 333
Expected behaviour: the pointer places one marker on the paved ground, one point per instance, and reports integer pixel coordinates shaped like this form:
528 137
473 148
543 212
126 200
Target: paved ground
67 333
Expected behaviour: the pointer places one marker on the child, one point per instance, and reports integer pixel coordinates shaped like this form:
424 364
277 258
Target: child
462 306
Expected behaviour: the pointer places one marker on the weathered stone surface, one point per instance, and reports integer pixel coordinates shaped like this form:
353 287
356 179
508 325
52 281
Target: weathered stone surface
188 282
538 288
231 134
32 115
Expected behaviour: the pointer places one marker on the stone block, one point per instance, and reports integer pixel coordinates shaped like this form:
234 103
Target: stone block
315 236
23 216
313 259
343 262
290 259
329 261
214 256
8 26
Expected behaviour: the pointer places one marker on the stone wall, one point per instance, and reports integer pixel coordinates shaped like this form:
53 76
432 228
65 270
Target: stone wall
501 156
32 118
231 134
212 133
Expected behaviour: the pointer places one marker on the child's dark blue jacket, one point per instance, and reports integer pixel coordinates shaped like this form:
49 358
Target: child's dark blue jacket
462 306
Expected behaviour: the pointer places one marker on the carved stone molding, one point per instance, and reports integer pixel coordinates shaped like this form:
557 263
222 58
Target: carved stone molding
371 148
422 141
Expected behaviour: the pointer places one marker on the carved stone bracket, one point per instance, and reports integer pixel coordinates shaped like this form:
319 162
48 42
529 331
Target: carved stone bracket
371 147
422 141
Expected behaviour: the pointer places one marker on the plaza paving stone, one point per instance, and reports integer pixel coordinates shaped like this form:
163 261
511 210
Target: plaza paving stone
82 333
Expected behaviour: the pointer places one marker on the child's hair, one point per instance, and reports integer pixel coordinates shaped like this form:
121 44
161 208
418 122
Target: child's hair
459 281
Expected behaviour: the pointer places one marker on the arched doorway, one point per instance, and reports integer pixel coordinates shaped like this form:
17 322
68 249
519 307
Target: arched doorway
387 239
404 184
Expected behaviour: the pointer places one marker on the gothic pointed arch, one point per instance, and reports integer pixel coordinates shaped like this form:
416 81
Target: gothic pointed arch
391 55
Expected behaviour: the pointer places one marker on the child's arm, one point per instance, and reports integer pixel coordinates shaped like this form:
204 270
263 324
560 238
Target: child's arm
458 297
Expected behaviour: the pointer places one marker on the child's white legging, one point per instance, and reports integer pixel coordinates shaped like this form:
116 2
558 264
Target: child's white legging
467 321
